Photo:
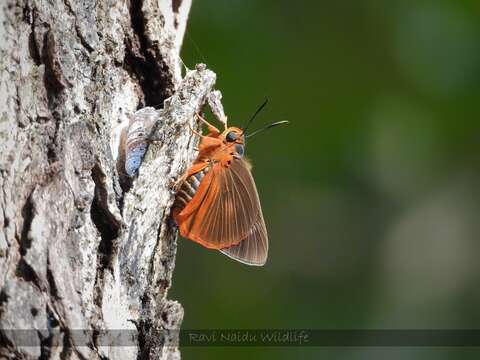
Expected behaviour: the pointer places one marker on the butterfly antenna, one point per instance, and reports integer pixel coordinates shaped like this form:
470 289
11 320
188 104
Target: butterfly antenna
267 127
197 49
254 115
185 67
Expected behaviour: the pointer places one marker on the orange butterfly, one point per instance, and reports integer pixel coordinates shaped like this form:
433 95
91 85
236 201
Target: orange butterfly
217 205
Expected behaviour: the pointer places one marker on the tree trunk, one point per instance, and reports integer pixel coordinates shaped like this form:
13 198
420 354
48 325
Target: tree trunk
78 254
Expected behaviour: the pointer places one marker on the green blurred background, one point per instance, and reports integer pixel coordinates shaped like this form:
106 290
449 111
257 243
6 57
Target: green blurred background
371 194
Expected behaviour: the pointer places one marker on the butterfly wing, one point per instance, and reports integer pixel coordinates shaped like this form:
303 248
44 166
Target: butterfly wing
225 214
254 249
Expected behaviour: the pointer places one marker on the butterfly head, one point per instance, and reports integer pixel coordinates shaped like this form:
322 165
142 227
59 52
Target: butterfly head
233 137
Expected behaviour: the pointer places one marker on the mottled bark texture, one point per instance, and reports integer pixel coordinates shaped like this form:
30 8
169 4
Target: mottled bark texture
76 251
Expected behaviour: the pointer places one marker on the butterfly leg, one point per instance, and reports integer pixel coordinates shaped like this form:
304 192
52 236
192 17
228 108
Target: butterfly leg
211 128
195 132
175 185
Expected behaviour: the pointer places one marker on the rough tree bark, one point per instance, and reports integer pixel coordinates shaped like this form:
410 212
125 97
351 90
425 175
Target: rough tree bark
77 253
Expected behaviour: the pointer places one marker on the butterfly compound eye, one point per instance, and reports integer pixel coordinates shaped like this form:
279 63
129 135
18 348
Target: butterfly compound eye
239 149
231 136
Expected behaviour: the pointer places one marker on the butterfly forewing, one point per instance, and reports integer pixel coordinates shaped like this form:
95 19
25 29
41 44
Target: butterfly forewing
225 214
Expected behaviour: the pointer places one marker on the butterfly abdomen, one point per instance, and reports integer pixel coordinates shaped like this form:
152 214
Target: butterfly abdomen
188 190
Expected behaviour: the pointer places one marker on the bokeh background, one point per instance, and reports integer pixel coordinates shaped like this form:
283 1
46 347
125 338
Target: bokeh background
371 195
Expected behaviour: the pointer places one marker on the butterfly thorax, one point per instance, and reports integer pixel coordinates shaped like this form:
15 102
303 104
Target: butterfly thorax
214 148
221 147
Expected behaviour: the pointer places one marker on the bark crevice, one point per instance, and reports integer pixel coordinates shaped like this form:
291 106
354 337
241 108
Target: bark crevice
27 214
145 62
78 32
106 223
